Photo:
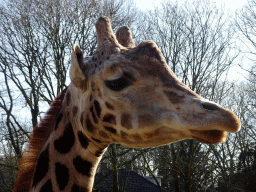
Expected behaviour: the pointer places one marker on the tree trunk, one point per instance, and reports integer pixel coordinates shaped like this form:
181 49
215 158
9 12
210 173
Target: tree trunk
115 168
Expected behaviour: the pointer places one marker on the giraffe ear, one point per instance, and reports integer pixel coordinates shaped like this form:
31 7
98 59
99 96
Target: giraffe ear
77 77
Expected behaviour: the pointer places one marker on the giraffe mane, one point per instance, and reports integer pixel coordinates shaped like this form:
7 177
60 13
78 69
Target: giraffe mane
40 134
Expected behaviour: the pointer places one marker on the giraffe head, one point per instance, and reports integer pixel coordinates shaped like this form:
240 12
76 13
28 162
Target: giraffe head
129 95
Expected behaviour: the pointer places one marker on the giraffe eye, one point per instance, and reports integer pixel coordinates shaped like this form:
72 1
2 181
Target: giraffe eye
117 84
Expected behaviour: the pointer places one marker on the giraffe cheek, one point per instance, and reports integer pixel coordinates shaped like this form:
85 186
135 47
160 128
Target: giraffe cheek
145 121
170 118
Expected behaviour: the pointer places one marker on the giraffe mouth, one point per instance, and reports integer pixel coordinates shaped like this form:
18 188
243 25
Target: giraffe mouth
209 136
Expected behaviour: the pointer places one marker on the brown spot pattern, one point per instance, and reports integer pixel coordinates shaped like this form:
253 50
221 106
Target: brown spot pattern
99 152
126 120
110 129
75 110
97 107
174 97
90 127
145 121
174 84
109 106
83 139
97 140
68 97
66 141
99 93
109 118
93 115
152 133
123 134
137 137
103 134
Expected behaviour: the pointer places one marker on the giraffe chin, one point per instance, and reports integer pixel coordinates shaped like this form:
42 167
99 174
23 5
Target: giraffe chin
209 136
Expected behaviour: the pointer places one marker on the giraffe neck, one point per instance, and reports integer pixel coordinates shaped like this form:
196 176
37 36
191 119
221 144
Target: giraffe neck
69 159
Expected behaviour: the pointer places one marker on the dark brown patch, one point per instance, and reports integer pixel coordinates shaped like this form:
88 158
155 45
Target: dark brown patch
109 106
90 127
47 187
210 136
109 118
93 115
83 68
83 139
82 166
80 58
99 93
75 110
97 107
168 81
123 134
126 120
152 133
110 129
90 97
42 166
99 153
145 121
103 134
66 141
62 175
174 97
68 97
137 137
97 140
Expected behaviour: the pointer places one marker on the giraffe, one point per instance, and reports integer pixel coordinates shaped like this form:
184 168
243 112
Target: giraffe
123 94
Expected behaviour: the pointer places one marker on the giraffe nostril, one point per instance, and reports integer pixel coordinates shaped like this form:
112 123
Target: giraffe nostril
210 106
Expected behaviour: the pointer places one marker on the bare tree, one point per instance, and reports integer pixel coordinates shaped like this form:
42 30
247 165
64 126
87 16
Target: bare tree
36 39
245 20
196 40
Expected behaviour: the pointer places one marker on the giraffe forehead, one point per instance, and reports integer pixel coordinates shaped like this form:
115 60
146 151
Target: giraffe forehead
131 69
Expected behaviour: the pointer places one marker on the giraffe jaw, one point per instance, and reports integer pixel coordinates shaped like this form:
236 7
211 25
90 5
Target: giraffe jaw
209 136
158 137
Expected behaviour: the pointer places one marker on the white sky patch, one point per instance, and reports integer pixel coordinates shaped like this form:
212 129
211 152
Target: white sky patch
228 4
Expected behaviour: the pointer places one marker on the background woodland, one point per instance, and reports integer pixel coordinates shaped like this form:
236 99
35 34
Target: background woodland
200 41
